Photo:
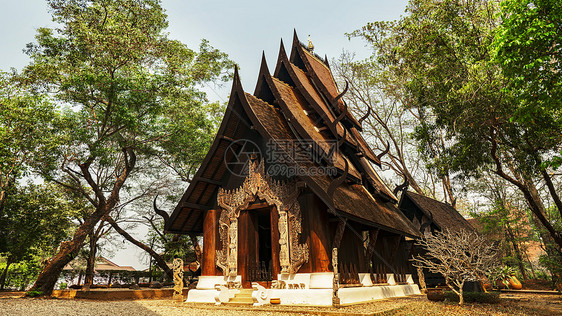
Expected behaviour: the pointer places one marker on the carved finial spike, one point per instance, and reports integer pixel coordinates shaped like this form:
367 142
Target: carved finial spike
379 156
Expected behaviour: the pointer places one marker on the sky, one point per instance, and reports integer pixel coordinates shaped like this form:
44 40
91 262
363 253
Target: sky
243 29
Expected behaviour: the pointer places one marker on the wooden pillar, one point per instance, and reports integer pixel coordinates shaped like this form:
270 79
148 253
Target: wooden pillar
276 266
339 233
317 221
394 248
109 280
373 235
210 234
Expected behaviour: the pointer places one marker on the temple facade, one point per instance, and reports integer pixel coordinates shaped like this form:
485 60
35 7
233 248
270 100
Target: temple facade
288 200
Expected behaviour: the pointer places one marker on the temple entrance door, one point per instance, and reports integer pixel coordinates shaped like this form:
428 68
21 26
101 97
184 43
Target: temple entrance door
255 253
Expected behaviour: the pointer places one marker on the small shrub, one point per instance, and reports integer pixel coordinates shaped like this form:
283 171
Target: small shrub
34 293
474 297
63 286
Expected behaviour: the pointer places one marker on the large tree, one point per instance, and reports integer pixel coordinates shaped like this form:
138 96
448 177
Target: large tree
27 140
128 91
35 220
443 52
378 96
529 49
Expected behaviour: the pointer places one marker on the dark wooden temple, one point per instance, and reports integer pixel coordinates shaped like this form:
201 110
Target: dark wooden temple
289 178
429 215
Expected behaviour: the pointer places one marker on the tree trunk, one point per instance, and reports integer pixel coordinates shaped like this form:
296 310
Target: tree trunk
517 251
159 260
5 273
536 206
91 263
527 188
196 247
68 250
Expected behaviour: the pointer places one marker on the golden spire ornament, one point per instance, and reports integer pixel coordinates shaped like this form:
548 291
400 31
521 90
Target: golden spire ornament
310 46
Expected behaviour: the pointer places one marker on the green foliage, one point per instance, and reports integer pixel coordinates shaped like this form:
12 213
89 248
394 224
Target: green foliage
510 228
129 99
33 293
63 286
474 297
36 218
128 89
27 138
501 274
553 262
20 275
442 51
528 47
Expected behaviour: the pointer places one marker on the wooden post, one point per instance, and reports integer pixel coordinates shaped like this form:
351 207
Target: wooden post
276 267
373 235
210 233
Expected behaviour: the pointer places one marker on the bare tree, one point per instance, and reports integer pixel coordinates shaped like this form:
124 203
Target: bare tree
459 256
389 122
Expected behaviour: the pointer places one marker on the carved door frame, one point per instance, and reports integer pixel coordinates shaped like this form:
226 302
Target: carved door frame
282 195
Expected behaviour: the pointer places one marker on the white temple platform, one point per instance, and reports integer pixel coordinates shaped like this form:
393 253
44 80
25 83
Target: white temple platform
314 289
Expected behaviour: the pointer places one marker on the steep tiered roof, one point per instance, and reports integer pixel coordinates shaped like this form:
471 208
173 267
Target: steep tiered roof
442 215
298 102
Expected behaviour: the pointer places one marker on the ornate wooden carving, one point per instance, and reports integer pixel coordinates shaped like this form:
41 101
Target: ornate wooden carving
258 185
339 233
178 279
372 242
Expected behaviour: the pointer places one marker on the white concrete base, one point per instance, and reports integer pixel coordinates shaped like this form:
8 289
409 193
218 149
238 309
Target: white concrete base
208 282
317 297
351 295
318 290
297 278
322 280
390 279
201 296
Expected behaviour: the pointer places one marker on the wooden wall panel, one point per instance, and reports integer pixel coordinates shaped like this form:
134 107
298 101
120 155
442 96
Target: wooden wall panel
315 218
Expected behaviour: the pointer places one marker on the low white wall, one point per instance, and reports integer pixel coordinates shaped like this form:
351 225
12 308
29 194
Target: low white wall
297 278
322 280
201 296
352 295
318 297
208 282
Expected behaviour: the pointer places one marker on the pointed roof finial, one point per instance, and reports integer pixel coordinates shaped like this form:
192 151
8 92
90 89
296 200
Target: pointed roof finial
310 46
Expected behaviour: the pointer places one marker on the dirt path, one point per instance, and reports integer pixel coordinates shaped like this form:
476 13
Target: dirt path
511 304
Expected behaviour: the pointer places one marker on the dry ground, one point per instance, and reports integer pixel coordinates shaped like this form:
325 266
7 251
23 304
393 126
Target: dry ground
511 304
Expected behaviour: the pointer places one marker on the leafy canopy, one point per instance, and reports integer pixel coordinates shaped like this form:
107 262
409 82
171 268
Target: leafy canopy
529 49
127 88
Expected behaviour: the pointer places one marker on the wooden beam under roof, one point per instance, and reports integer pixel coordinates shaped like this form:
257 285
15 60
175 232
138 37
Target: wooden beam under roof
210 181
195 206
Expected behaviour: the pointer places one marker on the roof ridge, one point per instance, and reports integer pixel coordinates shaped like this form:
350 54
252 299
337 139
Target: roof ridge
281 81
258 99
315 56
427 197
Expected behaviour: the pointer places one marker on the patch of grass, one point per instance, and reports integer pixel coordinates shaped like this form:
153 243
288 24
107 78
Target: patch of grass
474 297
33 293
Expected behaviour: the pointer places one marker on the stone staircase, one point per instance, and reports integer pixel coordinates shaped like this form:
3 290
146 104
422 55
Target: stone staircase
242 298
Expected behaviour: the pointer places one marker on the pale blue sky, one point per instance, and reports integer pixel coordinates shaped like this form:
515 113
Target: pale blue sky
242 29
